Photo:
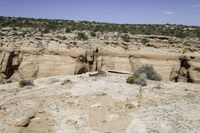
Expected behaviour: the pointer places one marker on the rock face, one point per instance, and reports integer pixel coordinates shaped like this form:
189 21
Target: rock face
87 62
46 65
26 53
186 72
16 65
195 74
10 62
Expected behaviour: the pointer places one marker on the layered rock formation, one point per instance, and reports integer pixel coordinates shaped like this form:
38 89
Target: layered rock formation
30 54
16 65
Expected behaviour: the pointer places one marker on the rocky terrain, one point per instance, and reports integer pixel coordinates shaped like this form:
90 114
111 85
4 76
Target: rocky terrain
99 104
61 60
27 53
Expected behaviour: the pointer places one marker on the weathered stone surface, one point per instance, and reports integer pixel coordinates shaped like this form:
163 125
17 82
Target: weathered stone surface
47 55
5 62
15 61
99 103
182 79
33 66
47 65
22 122
174 73
195 74
28 69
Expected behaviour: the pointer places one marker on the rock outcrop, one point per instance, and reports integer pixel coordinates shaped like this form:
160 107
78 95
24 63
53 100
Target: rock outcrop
28 53
185 72
87 62
9 63
17 64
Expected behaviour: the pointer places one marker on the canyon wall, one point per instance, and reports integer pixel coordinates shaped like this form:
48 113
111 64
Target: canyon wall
17 64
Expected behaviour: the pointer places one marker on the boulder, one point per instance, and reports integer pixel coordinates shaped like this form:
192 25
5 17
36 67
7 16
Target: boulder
81 68
15 61
183 72
28 70
182 79
174 74
5 62
194 74
2 77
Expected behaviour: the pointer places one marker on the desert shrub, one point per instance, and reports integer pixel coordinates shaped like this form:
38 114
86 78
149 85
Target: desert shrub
144 41
23 83
82 36
9 81
45 31
136 79
93 34
180 33
197 32
68 30
126 38
149 72
62 37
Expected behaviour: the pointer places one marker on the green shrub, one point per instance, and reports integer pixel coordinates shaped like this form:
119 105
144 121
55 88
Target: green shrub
93 34
23 83
82 36
9 81
136 79
144 41
62 37
68 30
149 72
53 25
45 30
126 38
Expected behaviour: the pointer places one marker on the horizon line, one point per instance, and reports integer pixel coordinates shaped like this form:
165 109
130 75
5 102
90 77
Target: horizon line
92 21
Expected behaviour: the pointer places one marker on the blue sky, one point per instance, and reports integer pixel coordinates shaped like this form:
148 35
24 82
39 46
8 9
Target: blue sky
117 11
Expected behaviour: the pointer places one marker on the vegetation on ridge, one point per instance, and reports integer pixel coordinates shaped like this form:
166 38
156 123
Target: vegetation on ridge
47 25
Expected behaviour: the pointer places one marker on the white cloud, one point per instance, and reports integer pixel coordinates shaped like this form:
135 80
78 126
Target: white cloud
196 6
169 13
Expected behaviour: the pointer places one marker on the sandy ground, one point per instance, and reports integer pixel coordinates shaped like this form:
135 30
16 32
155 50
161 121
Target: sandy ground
100 104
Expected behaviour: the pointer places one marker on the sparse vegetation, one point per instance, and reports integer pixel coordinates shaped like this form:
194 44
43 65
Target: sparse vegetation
23 83
9 81
62 37
93 34
82 36
46 25
148 72
144 41
126 37
136 79
68 30
158 87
